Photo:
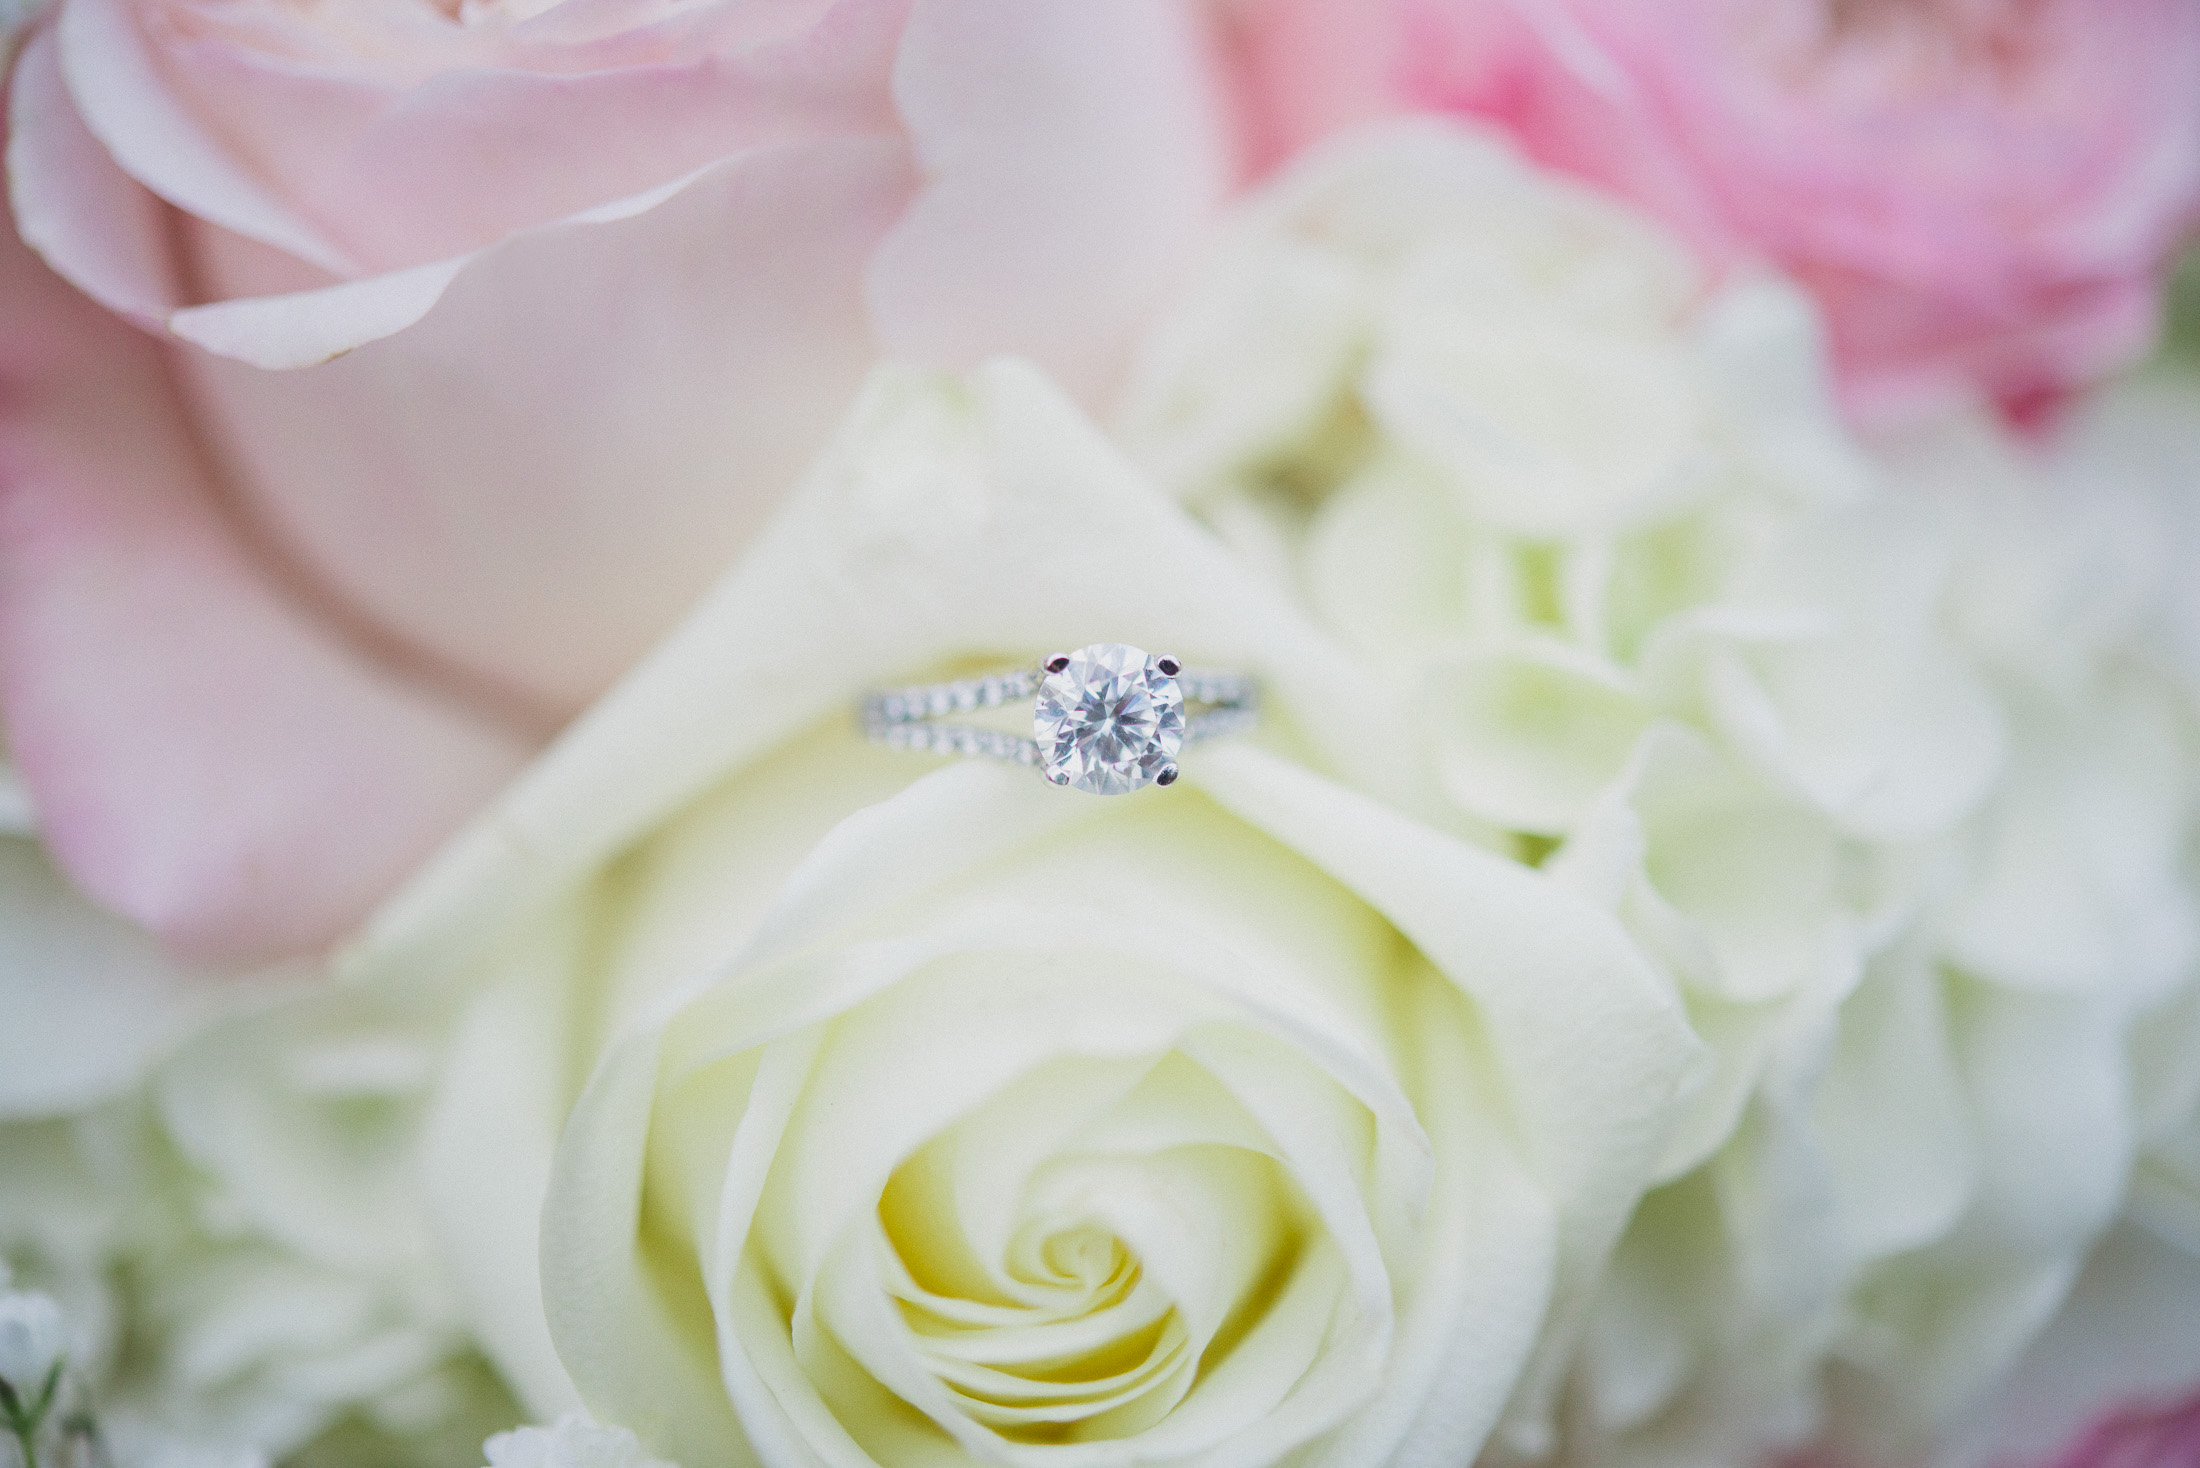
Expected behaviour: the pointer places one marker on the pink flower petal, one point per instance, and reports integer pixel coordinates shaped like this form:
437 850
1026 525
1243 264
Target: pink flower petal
399 168
2117 1369
534 457
73 205
206 757
307 328
1305 68
1982 198
103 54
2166 1435
539 476
523 463
1075 153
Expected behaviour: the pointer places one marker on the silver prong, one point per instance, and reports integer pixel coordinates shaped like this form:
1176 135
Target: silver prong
1167 775
1056 662
1169 666
1058 777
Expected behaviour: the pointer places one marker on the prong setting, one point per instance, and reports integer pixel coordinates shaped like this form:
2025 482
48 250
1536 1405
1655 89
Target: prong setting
1056 663
1167 775
1169 667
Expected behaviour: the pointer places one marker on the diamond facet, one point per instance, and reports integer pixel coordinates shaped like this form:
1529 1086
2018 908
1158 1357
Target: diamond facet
1109 720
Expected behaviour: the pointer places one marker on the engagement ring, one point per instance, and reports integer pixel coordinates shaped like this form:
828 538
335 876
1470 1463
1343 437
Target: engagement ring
1107 718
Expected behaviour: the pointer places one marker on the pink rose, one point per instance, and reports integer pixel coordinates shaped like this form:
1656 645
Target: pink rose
1982 194
1304 68
2141 1435
585 280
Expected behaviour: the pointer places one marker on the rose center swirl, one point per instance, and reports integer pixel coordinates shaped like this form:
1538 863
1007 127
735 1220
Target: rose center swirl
1124 1276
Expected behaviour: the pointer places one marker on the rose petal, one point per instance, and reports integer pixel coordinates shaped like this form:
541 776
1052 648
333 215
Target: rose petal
153 138
1544 970
1303 68
627 1342
1550 433
277 333
1980 205
206 757
486 1142
74 206
1075 153
397 168
443 477
540 475
878 1066
1383 558
1476 1303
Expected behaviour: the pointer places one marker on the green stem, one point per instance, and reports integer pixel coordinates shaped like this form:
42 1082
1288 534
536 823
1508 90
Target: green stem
24 1422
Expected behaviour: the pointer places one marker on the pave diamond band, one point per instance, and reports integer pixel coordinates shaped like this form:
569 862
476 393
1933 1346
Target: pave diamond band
1108 718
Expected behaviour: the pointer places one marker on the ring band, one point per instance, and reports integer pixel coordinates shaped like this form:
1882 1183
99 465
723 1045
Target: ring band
1108 718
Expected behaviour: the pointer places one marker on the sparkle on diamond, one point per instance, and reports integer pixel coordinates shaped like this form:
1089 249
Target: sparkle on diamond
1110 721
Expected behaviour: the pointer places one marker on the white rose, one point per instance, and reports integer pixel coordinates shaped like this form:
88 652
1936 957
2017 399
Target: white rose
940 1115
1873 772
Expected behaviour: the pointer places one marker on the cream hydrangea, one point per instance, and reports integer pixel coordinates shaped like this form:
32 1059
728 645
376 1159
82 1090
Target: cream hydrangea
216 1182
1508 441
206 1340
1851 740
871 1112
1929 1160
2141 442
90 1002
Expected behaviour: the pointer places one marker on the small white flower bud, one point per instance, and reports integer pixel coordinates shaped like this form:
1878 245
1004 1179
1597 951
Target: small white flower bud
575 1442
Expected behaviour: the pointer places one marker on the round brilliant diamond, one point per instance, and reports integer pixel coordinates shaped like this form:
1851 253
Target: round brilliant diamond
1109 720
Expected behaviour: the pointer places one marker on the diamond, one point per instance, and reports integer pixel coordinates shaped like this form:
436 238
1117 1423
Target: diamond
1109 721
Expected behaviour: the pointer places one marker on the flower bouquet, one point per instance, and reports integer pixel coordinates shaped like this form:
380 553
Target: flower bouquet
1150 734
